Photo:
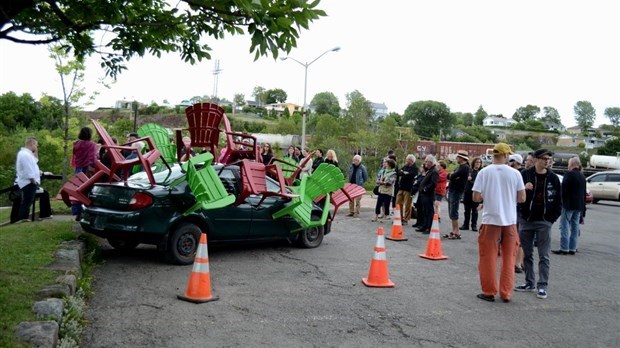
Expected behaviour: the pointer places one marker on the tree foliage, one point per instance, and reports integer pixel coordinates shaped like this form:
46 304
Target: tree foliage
613 114
611 148
584 115
551 114
260 95
358 114
136 28
325 103
525 113
431 118
276 95
479 116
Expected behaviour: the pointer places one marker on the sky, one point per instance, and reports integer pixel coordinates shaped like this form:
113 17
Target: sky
498 54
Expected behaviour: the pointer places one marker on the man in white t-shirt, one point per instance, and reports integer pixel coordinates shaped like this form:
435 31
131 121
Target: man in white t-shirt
501 187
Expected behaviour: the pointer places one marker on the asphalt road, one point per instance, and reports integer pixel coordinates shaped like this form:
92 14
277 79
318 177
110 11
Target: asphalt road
275 295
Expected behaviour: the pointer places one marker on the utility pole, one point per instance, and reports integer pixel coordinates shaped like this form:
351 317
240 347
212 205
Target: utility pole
216 74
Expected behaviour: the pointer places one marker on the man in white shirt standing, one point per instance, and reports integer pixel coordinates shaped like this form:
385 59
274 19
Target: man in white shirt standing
502 188
28 176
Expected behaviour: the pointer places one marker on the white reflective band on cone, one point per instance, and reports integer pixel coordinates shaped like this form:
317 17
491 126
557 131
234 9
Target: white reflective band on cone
397 222
202 252
379 255
380 242
435 235
200 267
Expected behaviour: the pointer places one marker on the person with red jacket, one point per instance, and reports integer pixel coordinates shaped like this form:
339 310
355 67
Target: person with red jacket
440 189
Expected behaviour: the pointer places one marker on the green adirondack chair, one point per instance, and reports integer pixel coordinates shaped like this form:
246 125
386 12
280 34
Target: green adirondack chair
206 185
325 179
162 143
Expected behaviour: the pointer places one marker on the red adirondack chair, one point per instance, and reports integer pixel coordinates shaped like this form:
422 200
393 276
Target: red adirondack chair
204 120
118 161
346 194
239 146
289 175
76 189
253 178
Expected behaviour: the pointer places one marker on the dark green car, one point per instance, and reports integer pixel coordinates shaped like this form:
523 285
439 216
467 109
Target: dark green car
127 215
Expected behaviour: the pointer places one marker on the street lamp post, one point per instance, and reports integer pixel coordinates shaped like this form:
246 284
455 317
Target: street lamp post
304 108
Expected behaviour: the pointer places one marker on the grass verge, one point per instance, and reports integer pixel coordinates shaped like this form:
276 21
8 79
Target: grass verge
25 251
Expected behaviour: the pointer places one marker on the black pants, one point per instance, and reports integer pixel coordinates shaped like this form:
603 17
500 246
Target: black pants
44 203
471 210
383 200
428 210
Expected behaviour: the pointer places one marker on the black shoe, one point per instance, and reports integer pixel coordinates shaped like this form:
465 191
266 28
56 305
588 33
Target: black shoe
464 227
415 226
559 252
571 252
474 228
419 229
426 232
486 298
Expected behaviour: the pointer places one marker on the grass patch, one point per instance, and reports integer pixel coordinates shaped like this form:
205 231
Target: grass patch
25 251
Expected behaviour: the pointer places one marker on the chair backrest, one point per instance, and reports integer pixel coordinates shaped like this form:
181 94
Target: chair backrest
248 147
325 179
161 139
106 139
204 120
205 183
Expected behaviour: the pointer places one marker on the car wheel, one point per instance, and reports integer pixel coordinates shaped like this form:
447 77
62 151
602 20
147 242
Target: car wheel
311 237
183 244
122 244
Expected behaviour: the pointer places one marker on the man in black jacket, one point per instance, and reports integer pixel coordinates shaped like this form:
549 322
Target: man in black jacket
542 206
406 176
427 193
573 207
458 179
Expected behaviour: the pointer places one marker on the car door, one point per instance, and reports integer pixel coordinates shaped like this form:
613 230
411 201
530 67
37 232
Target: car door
230 222
263 225
612 186
596 184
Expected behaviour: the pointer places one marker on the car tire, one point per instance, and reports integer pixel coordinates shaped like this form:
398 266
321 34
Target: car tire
122 244
183 244
311 237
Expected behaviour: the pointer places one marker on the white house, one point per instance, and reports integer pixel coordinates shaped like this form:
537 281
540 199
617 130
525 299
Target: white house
379 110
494 121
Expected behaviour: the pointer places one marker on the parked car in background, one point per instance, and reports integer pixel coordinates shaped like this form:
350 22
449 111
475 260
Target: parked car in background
127 215
604 185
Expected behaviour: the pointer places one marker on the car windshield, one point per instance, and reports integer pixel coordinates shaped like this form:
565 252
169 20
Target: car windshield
161 178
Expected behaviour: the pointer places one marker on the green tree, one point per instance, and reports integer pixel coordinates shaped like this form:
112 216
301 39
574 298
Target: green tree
327 126
431 118
359 113
551 114
325 103
525 113
584 115
155 26
611 148
238 100
479 116
275 95
71 72
260 95
16 110
613 114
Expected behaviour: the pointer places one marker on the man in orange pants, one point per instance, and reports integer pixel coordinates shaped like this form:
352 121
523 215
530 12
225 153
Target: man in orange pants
501 187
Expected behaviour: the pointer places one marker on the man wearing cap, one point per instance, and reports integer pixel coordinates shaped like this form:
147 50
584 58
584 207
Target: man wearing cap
515 161
456 187
501 187
573 207
543 205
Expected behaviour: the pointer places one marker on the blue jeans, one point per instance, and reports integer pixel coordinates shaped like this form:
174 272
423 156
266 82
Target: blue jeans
527 232
28 193
569 229
454 200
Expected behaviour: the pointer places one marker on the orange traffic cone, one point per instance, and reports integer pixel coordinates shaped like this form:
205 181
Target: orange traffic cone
199 287
397 227
378 274
433 247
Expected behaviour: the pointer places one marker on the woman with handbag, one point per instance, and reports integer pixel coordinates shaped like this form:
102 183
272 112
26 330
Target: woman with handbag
385 185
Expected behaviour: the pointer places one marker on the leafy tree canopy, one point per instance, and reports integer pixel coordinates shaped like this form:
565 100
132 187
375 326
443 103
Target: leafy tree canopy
584 115
325 103
525 113
275 95
611 148
551 114
430 118
358 113
479 116
138 27
613 114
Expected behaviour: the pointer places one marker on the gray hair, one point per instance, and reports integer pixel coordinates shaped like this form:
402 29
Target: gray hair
431 158
357 157
410 156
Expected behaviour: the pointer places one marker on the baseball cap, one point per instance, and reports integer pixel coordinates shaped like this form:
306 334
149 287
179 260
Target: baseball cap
516 158
541 152
501 149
